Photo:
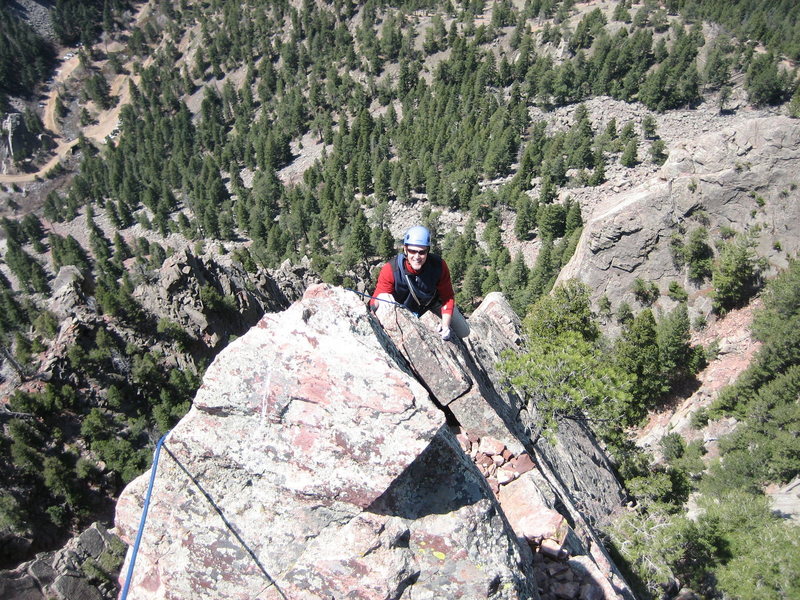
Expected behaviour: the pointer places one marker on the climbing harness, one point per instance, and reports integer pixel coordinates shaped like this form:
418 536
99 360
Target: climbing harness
146 506
422 291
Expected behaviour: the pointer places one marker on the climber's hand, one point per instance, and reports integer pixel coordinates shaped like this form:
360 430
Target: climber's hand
386 303
445 333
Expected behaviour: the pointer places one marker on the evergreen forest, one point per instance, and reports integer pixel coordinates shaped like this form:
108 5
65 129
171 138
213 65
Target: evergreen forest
275 131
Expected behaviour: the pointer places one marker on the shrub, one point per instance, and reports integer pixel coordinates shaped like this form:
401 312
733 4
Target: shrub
645 292
698 254
672 446
677 293
699 418
736 274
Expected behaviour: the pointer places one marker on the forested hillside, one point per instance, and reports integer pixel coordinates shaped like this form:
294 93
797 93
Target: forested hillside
254 133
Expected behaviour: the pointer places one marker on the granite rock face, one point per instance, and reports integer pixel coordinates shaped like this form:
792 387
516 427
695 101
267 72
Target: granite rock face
63 575
462 377
17 142
210 298
573 480
742 177
313 464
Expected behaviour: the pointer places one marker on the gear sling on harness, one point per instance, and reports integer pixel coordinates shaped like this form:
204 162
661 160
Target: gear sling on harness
417 292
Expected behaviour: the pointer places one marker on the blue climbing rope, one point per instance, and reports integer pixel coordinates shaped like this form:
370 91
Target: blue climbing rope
129 576
374 297
392 302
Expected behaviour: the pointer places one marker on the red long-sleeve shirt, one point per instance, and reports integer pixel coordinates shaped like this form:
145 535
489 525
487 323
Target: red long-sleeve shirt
444 287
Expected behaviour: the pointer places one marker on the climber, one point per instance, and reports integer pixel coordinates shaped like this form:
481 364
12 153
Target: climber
420 281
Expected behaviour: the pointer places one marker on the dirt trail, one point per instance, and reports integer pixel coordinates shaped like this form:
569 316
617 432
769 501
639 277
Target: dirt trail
62 75
107 120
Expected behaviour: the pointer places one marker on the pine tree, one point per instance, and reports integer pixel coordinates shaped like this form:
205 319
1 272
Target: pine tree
526 217
472 287
637 354
629 155
736 273
698 254
677 358
358 246
562 373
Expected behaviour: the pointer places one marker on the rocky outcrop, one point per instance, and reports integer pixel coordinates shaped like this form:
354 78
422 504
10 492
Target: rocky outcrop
326 456
573 481
313 464
210 299
292 279
85 568
17 141
742 177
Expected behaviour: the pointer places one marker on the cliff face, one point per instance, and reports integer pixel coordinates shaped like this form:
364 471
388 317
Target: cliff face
743 178
318 461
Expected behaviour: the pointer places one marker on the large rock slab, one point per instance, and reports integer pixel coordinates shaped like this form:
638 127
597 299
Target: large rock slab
313 464
742 177
574 478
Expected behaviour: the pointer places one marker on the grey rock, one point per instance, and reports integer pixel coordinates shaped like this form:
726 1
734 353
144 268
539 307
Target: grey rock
332 470
68 295
786 499
68 586
18 142
627 235
574 475
19 586
175 294
60 575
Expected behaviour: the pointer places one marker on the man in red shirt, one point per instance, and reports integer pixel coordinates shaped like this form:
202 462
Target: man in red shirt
420 281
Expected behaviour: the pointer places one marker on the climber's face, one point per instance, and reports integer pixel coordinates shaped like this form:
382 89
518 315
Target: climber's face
416 255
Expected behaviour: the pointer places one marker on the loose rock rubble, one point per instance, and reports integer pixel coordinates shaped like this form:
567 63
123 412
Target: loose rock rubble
558 575
494 460
85 568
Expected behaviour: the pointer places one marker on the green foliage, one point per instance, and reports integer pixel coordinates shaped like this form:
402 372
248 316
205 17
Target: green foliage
646 292
658 153
749 577
736 274
742 571
214 301
672 446
658 547
624 313
678 360
30 273
629 156
48 403
67 251
12 316
587 29
637 354
677 292
698 254
80 20
12 515
174 332
97 89
768 22
764 448
25 57
567 310
766 85
526 217
562 372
